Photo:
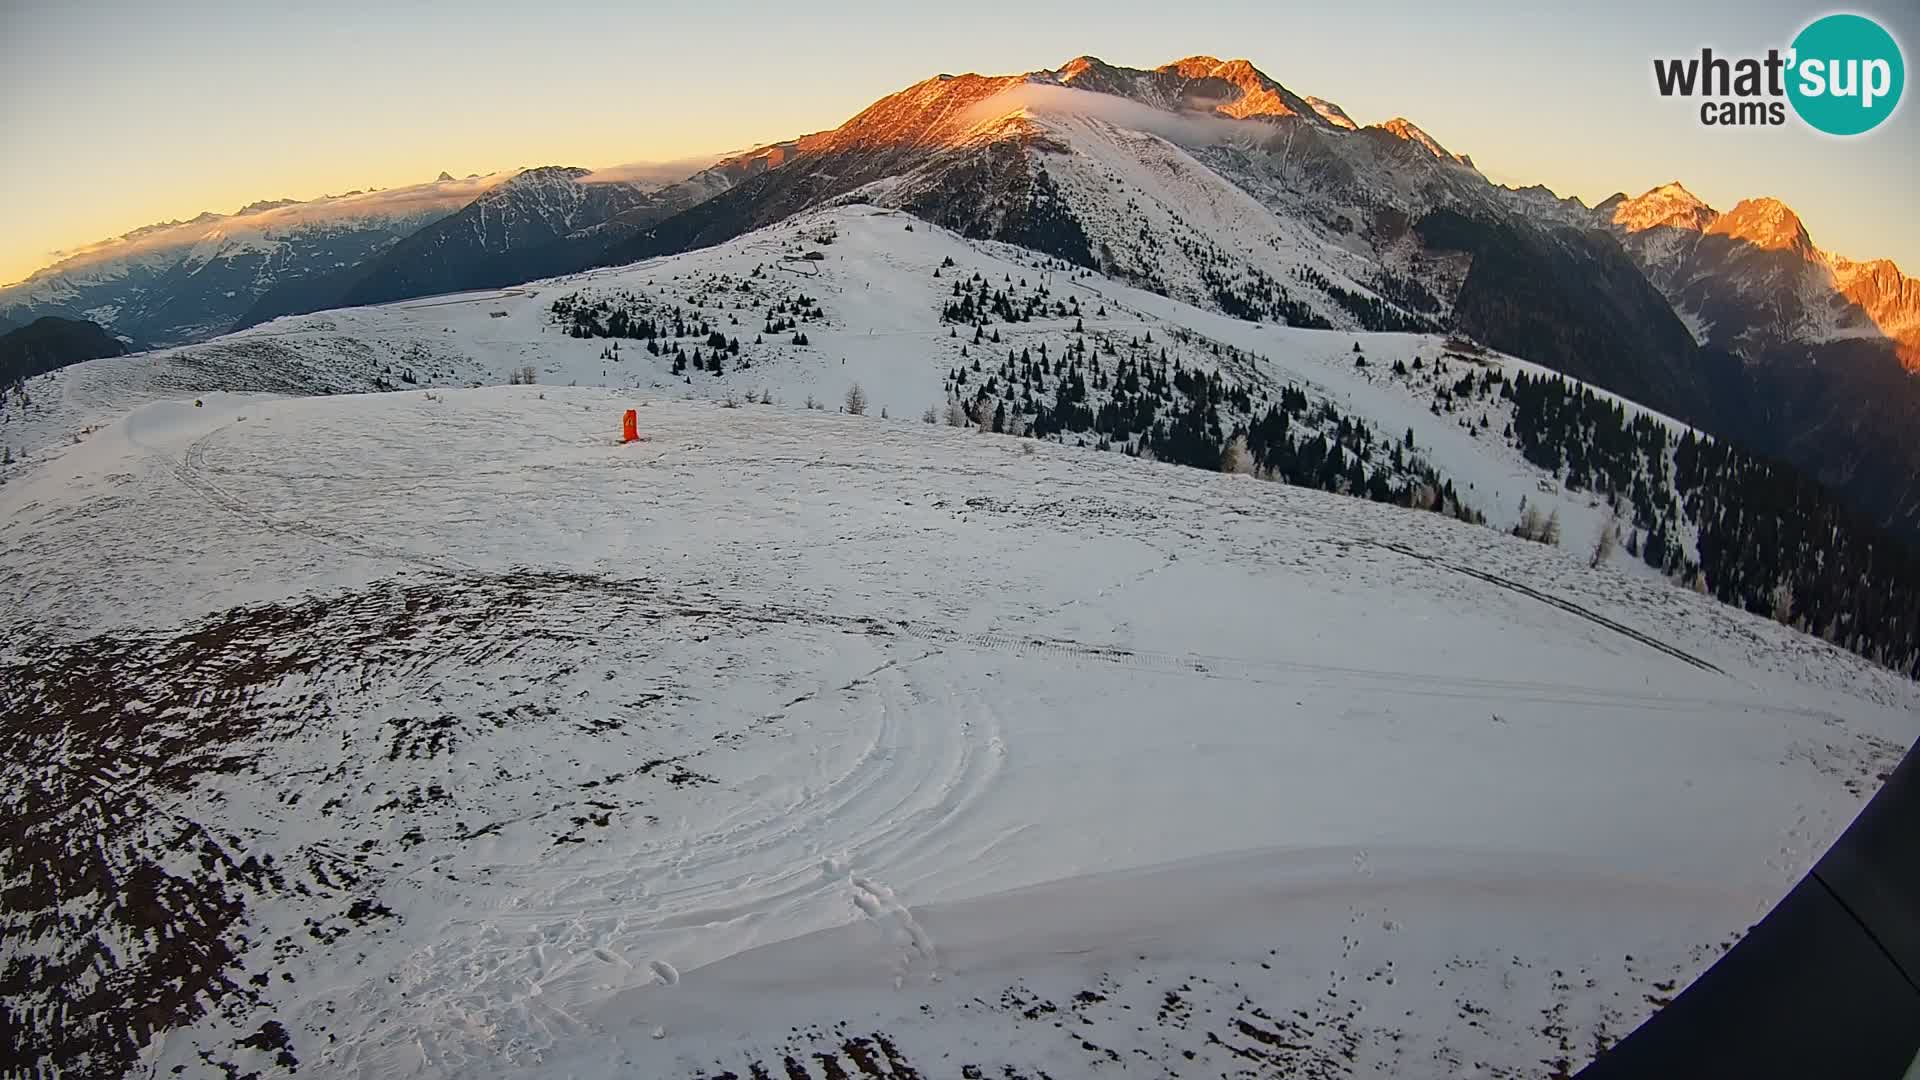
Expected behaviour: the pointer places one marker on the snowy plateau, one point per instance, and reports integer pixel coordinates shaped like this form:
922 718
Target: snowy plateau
367 717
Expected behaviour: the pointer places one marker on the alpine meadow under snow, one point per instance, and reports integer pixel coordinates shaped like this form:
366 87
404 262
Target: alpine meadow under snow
1125 572
376 719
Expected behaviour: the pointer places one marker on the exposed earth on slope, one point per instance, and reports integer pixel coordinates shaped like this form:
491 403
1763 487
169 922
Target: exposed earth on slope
430 732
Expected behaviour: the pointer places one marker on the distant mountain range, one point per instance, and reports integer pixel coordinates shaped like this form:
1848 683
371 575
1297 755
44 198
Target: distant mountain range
1752 280
1203 179
183 281
540 222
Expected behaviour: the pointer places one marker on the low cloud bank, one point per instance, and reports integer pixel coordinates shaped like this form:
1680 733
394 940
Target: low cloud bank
413 200
651 173
1185 128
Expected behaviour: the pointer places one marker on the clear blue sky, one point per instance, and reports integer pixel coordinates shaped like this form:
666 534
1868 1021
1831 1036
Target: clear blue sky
120 113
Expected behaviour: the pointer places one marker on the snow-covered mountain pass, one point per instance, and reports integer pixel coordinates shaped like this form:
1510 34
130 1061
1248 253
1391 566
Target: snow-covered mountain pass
434 733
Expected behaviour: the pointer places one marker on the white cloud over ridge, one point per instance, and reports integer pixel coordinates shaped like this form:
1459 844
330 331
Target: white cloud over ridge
421 201
266 222
651 173
1186 128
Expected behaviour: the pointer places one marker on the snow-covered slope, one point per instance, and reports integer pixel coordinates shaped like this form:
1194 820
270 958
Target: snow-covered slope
434 734
873 304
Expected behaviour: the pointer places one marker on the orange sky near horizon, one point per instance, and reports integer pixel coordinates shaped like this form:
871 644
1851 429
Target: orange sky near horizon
120 115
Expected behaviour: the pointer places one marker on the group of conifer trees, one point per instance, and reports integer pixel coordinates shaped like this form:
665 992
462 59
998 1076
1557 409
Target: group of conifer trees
1769 538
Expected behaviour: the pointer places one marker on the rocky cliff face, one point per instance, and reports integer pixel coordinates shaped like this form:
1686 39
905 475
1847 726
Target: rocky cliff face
1752 280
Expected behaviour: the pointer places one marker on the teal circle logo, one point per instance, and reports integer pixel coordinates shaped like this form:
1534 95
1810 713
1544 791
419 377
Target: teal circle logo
1847 74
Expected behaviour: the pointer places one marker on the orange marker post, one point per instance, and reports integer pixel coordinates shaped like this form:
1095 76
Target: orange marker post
630 427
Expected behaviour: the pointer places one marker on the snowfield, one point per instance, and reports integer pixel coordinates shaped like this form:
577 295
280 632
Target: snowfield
434 734
431 733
